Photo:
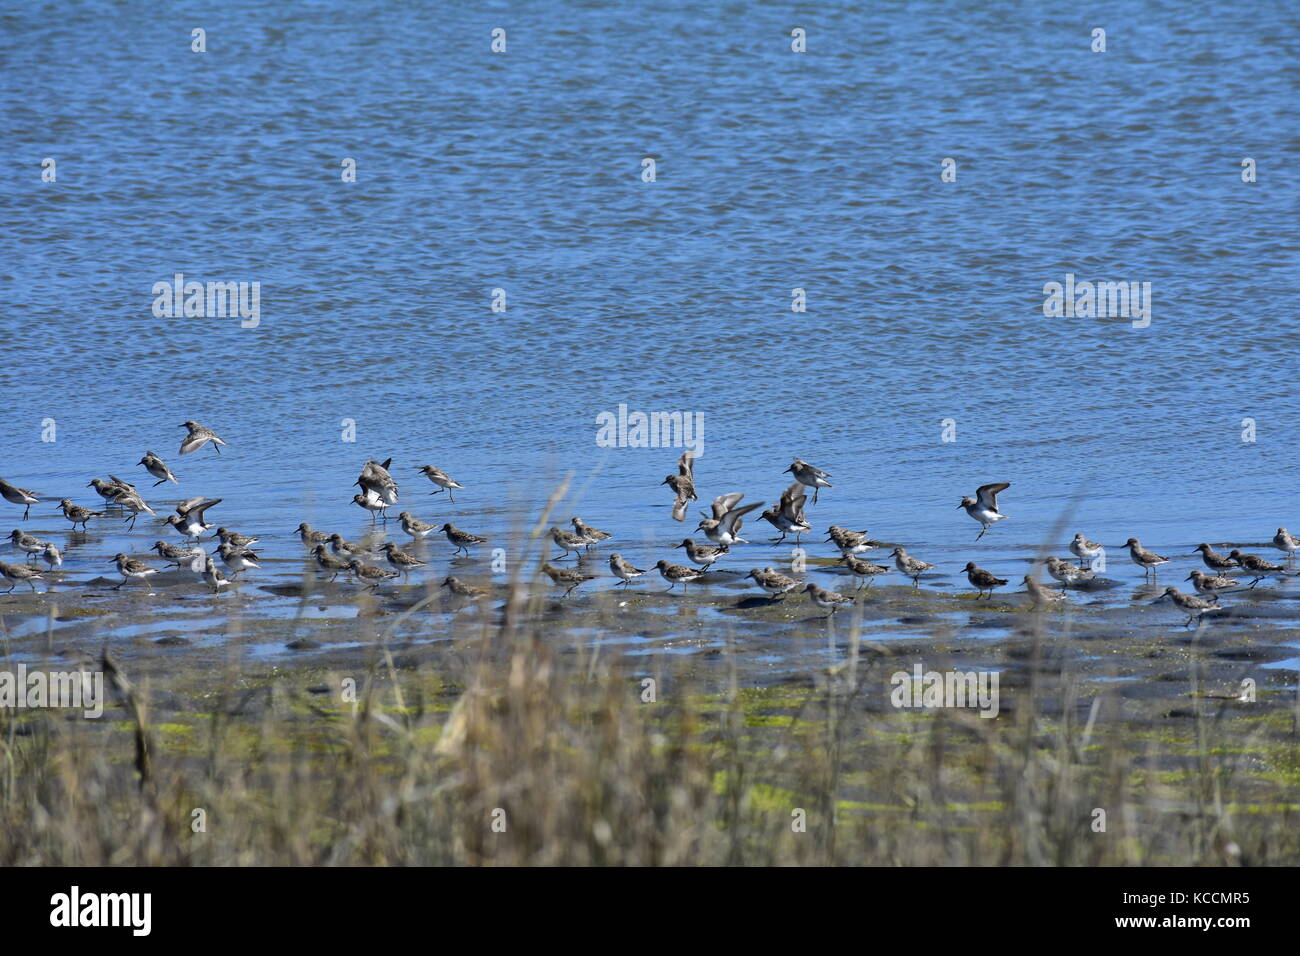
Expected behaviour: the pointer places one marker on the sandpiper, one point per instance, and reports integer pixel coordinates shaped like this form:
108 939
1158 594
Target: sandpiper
459 588
1255 565
19 496
773 582
624 569
676 574
369 574
235 538
131 501
682 484
377 483
566 541
724 526
702 554
1287 542
863 570
850 542
328 562
415 527
28 543
399 560
77 514
787 516
1039 595
346 549
310 537
1213 560
461 539
1194 607
131 569
1067 573
20 572
1211 584
236 559
212 574
912 567
191 557
108 490
440 478
568 578
199 436
808 476
188 520
982 580
592 535
52 556
158 468
831 600
1148 561
984 506
372 503
1085 550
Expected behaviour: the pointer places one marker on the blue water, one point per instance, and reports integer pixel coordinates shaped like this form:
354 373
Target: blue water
775 170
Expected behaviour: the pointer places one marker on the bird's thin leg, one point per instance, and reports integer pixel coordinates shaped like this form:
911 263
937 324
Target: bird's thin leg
981 534
451 496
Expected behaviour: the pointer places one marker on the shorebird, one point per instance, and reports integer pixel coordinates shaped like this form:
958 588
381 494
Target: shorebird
1287 542
461 539
77 514
236 559
399 560
912 567
440 478
1039 595
212 574
189 518
1085 550
459 588
131 569
28 543
375 482
199 436
1255 565
369 574
831 600
682 484
787 516
311 537
52 556
235 538
1211 584
328 562
724 526
773 582
415 527
676 574
1148 561
1194 607
624 569
984 506
20 572
566 541
568 578
808 476
182 556
850 542
702 554
1067 573
130 500
1213 560
863 569
108 490
346 549
592 535
19 496
982 580
372 503
158 468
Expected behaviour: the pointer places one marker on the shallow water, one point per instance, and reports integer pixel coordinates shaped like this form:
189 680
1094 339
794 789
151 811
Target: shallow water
775 171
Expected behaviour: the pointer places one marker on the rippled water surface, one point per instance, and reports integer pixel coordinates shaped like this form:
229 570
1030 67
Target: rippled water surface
775 171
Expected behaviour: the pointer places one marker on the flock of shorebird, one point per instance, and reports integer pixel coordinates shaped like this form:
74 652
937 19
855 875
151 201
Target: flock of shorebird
721 525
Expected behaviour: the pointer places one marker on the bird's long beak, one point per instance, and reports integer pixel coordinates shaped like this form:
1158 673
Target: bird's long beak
960 505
